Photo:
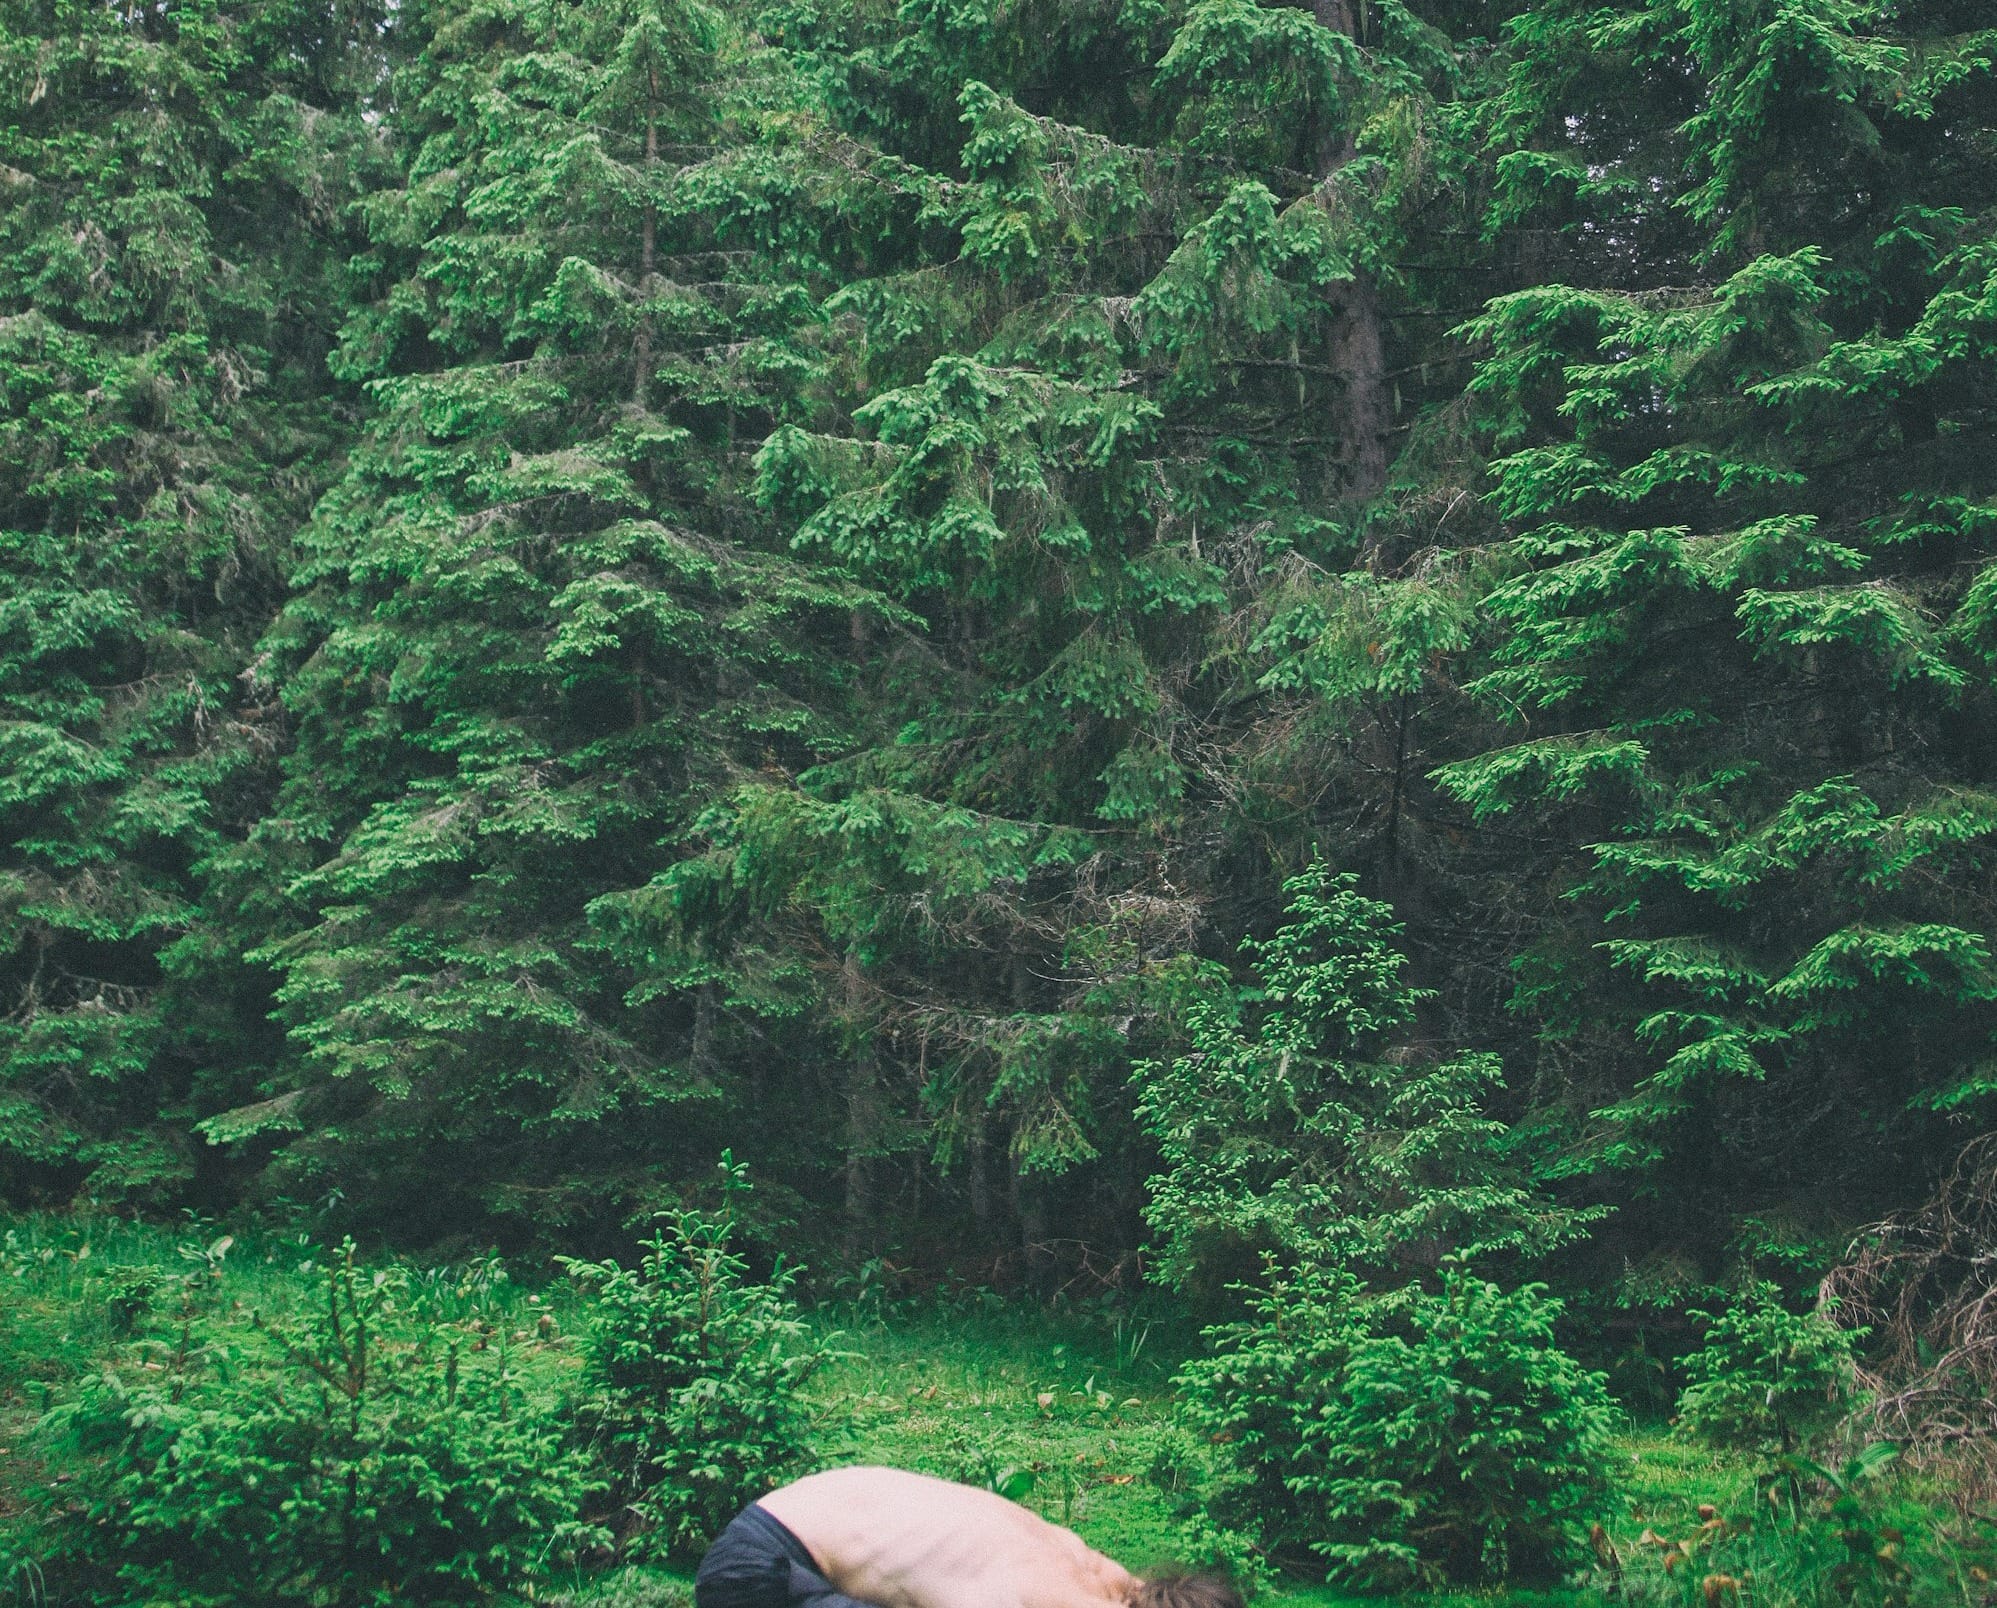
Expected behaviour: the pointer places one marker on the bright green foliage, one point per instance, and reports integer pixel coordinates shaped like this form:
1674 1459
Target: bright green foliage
1766 1378
1830 1537
1253 1403
537 627
1470 1450
1735 622
692 1377
1434 1439
361 1452
168 181
1298 1127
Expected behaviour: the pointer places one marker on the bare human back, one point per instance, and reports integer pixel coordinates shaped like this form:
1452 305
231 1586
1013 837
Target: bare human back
892 1539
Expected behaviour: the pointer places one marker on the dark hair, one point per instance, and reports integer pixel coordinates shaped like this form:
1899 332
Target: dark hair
1174 1589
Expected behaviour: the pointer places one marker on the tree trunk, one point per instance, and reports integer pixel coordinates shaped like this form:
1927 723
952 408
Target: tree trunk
648 249
706 1062
1357 348
862 1107
1365 410
980 1181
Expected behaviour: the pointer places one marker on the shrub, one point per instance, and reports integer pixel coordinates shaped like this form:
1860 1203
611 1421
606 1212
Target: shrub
1307 1122
1766 1379
1256 1399
694 1373
362 1454
1415 1439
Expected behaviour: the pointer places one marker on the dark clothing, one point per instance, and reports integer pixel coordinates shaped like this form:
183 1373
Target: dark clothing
757 1563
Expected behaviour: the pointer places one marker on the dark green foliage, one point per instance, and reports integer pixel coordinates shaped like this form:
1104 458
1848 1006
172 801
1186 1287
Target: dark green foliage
1304 1125
692 1378
1071 415
1766 1378
537 627
1734 625
1416 1440
587 583
362 1452
170 183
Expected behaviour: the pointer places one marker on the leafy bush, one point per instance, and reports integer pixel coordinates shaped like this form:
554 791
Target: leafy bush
1766 1378
694 1372
1413 1439
363 1453
1257 1398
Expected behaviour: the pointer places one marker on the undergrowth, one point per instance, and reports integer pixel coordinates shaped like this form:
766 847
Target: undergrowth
1067 1410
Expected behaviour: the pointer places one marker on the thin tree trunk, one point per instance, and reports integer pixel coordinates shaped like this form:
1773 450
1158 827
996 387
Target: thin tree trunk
1364 411
706 1062
648 249
1029 1210
980 1181
862 1107
1026 1203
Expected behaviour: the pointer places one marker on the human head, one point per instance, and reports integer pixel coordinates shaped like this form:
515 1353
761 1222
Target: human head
1173 1588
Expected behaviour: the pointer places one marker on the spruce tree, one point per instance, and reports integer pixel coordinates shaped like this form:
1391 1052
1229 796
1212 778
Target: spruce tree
1738 627
1129 370
538 625
169 269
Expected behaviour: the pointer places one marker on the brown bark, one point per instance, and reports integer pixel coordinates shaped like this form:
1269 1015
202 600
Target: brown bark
862 1106
1365 407
1336 16
1357 347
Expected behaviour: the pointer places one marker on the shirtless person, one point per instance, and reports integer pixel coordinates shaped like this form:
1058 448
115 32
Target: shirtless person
890 1539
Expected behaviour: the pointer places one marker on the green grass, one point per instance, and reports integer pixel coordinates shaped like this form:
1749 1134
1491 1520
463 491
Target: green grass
967 1396
968 1390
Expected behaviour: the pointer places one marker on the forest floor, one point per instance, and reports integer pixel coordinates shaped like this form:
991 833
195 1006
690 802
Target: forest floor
974 1389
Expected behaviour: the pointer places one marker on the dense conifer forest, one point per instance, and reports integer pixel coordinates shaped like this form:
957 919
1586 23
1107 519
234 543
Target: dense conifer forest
1334 665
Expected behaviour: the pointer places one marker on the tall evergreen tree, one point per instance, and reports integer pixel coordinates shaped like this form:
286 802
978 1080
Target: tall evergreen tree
1740 625
863 544
539 625
169 266
1129 366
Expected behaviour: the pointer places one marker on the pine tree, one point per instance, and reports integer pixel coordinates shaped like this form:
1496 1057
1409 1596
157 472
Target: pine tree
1307 1126
538 626
173 175
1086 417
1737 626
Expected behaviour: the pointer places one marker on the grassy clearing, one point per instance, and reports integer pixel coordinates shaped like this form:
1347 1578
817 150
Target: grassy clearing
971 1396
972 1390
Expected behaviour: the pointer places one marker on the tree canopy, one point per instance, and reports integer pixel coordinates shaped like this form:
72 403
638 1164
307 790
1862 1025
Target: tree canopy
591 583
